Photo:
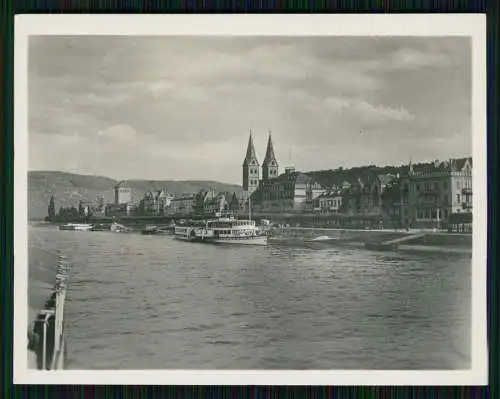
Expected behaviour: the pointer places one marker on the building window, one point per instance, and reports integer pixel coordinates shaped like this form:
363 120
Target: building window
445 185
458 184
445 199
458 198
417 187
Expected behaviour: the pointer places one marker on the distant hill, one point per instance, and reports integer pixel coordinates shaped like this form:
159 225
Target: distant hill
70 188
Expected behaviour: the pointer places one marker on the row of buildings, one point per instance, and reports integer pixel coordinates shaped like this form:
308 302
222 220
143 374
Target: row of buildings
421 192
163 203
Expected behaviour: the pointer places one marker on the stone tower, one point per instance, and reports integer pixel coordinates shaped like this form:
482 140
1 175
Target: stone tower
270 165
251 174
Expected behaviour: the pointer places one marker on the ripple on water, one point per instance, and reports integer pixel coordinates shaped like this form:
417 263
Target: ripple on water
137 302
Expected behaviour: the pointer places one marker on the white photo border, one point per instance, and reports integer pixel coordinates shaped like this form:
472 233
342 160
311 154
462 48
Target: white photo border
472 25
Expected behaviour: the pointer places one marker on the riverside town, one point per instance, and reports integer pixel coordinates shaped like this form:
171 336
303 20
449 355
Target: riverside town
170 228
432 195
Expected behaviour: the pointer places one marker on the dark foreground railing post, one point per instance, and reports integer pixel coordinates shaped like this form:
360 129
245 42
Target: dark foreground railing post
47 335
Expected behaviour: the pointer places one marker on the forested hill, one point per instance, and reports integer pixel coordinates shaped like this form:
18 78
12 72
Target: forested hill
70 188
332 177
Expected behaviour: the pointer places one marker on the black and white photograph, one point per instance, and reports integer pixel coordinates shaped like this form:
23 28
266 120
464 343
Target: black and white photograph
276 201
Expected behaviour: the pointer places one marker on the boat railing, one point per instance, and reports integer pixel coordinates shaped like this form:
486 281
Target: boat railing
46 339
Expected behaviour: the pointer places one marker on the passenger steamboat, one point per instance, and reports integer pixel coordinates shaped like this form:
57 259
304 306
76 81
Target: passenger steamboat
223 230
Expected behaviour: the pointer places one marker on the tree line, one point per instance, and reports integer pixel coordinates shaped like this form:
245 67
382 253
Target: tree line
81 212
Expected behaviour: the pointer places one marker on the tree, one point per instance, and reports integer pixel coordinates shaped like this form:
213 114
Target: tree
73 212
51 209
81 210
100 204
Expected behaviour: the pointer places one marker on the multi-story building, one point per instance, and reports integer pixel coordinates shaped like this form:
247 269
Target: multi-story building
218 204
363 195
290 191
200 200
123 193
182 205
240 201
329 202
156 202
432 192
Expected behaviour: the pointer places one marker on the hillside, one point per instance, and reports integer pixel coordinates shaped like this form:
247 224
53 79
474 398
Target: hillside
337 176
70 188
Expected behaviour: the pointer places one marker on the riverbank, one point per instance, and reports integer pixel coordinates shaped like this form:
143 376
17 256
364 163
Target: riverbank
412 240
428 237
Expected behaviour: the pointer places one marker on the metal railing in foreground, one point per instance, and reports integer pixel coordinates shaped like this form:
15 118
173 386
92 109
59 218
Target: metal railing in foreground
46 338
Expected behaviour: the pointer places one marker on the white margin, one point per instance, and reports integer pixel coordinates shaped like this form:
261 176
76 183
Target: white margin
473 25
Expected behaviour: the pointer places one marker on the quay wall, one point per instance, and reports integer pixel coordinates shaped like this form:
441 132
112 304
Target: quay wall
289 219
430 238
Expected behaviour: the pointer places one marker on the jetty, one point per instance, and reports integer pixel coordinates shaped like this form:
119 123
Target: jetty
46 300
376 239
394 243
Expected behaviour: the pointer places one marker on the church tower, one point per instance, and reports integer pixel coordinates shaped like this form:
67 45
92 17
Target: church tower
251 174
270 165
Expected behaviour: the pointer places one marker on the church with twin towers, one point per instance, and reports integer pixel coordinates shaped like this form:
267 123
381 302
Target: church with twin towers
251 166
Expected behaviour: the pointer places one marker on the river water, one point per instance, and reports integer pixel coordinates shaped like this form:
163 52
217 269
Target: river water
151 302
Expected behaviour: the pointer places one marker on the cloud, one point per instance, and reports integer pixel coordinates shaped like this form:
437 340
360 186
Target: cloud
177 107
366 111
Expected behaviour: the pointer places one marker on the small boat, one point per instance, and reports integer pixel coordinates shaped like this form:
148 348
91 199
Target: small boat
76 226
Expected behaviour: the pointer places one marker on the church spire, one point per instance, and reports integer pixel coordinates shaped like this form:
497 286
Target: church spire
269 152
251 173
270 165
251 156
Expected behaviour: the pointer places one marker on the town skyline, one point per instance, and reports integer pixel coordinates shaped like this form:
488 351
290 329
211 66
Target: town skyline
282 170
146 108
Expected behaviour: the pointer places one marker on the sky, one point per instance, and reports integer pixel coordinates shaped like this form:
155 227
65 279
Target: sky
181 108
